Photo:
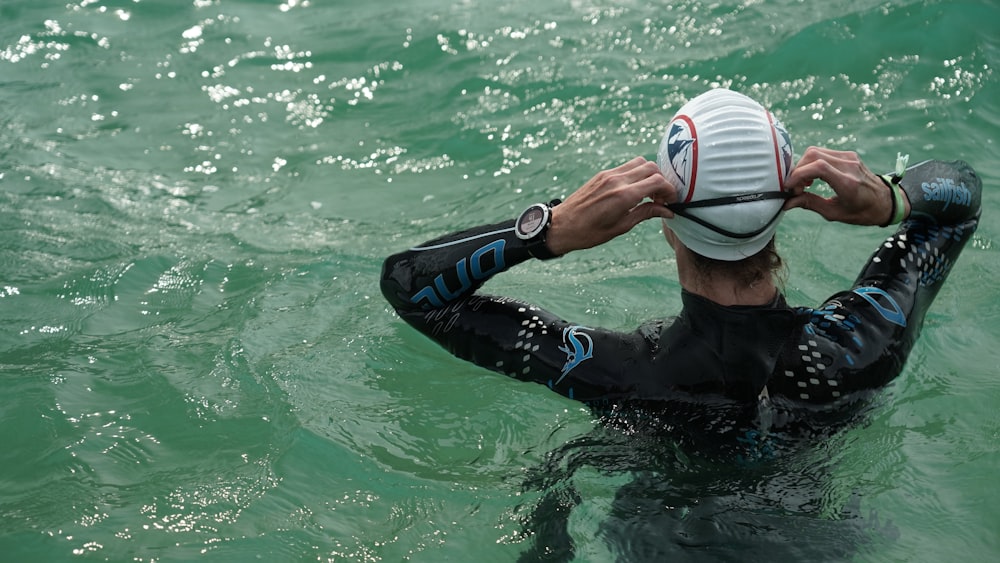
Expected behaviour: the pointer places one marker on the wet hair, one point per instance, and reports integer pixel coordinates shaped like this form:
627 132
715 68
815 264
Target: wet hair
749 271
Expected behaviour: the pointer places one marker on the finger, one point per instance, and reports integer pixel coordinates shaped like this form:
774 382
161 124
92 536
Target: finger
612 178
645 211
830 172
825 207
639 169
804 174
655 187
821 153
805 200
652 195
824 164
627 167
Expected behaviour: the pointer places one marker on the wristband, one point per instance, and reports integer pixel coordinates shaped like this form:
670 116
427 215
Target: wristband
899 205
898 209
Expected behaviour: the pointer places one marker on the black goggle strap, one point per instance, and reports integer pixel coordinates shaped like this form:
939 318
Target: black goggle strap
681 209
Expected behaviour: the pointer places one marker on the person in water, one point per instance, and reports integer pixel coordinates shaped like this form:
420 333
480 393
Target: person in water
722 181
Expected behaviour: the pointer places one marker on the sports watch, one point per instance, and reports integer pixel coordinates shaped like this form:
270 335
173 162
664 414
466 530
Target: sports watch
532 226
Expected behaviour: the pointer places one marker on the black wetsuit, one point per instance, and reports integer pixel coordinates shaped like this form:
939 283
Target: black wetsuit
857 341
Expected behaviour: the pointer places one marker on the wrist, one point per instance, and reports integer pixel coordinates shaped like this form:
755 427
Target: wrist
905 207
899 206
555 241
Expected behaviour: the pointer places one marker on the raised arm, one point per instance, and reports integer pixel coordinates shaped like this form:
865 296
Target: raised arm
860 338
443 270
610 204
435 286
931 191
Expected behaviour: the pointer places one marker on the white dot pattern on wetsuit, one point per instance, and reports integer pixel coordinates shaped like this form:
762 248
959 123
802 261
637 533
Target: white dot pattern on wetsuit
928 259
526 334
932 268
811 381
814 371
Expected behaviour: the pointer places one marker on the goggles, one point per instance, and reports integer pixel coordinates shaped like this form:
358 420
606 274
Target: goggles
681 209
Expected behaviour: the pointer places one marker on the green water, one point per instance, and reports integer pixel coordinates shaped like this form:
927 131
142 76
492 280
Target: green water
196 196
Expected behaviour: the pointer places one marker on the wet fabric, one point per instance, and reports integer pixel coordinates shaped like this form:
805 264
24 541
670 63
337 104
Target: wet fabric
854 342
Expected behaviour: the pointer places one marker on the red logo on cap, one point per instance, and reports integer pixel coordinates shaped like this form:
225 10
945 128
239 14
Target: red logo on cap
682 150
782 149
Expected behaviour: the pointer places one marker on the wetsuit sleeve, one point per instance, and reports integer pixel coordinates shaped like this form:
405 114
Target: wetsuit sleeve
859 339
434 287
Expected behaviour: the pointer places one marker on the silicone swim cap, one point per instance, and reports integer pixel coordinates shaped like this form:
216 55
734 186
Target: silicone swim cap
729 158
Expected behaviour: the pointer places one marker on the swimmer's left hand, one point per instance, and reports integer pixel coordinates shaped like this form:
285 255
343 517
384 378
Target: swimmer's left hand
861 197
609 205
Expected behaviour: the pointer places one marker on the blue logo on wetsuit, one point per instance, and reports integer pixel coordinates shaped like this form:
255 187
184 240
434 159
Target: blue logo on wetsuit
945 190
477 268
578 347
893 313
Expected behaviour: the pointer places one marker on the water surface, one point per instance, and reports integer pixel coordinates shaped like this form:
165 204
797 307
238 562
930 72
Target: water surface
196 197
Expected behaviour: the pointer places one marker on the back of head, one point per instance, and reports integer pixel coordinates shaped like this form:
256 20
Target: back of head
729 158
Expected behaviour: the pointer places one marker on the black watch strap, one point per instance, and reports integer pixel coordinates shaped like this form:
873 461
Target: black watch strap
537 246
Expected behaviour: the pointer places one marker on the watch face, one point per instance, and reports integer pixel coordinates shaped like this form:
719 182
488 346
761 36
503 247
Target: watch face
532 220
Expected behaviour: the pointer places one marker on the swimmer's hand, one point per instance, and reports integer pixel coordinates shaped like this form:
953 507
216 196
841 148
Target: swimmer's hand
608 205
861 196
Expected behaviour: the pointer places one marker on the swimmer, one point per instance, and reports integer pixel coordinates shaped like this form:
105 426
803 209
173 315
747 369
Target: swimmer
723 180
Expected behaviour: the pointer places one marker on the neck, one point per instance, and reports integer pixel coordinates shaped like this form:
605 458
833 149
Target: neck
724 291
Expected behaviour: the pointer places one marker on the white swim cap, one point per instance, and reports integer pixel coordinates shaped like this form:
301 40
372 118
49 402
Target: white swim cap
729 158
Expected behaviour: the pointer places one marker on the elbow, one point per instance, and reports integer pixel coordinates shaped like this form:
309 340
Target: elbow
390 286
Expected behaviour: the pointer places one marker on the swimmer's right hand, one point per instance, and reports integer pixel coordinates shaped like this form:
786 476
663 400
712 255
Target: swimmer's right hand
608 205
